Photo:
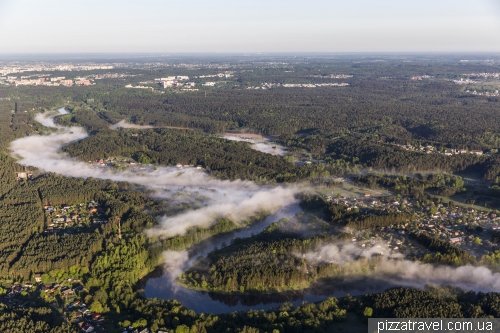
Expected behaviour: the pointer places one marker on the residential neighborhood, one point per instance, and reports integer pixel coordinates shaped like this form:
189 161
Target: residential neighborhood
19 67
496 93
466 228
68 219
45 80
428 149
266 85
65 296
128 164
332 76
485 75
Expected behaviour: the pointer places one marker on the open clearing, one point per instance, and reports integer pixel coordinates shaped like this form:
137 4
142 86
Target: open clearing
350 190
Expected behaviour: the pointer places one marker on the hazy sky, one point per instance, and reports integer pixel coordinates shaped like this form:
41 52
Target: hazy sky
167 26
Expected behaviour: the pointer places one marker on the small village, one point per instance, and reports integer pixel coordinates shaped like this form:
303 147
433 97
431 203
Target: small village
448 151
70 219
66 296
181 82
225 75
266 85
7 72
420 77
496 93
45 80
466 228
128 164
484 75
17 67
332 76
466 81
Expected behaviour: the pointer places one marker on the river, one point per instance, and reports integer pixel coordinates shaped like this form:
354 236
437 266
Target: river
161 284
239 200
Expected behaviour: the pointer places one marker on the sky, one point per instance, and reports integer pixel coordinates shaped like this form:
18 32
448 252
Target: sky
243 26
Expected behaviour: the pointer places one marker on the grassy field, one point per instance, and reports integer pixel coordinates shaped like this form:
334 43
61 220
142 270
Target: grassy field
348 189
458 202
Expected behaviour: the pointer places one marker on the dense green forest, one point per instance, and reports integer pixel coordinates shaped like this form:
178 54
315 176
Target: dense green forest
351 125
343 147
268 262
224 159
419 110
332 314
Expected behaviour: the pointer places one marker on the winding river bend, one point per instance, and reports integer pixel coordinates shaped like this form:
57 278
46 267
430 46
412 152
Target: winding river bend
239 199
164 286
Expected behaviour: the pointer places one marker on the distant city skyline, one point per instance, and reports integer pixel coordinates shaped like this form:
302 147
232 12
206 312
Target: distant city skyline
223 26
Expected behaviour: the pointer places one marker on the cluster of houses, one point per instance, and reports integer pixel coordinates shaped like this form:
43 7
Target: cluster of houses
16 67
366 203
485 93
114 161
485 75
462 151
180 81
187 166
332 76
466 81
78 313
175 81
45 81
26 295
420 78
24 176
13 295
87 321
67 216
431 149
128 164
101 162
110 76
76 310
266 85
225 75
51 288
133 166
450 224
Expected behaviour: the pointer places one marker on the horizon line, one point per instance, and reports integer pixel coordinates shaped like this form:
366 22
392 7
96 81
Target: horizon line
252 53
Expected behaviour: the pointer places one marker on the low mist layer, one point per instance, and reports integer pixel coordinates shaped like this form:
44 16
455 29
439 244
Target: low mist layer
238 200
392 267
124 124
261 146
235 207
